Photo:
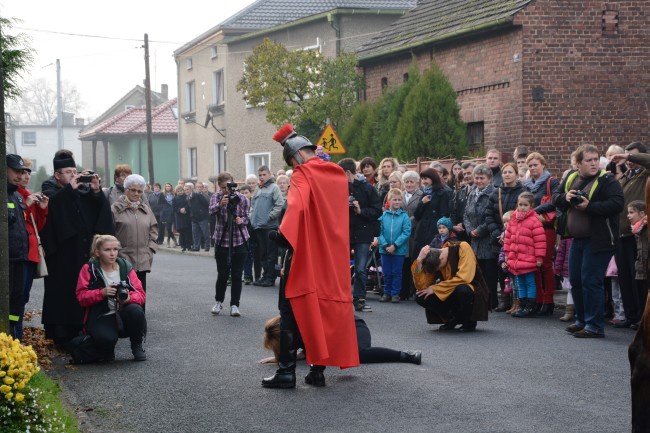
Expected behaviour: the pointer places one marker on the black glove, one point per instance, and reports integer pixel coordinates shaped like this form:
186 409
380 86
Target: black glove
279 239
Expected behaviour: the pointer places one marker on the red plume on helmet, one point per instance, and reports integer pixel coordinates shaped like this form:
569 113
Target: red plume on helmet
283 133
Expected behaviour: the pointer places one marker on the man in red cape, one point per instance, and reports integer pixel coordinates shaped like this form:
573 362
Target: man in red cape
315 226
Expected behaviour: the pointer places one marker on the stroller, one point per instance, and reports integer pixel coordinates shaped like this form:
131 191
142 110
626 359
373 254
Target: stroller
375 282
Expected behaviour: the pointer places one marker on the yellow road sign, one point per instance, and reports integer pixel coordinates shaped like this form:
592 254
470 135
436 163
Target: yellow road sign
330 141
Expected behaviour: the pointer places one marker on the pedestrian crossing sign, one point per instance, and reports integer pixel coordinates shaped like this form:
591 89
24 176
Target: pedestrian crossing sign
330 141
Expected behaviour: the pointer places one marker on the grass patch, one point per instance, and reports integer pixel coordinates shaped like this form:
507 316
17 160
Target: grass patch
50 403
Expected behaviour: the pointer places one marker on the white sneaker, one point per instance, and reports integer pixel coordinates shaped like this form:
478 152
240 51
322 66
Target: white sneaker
234 311
217 308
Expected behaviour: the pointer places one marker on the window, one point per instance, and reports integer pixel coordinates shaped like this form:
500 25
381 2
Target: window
213 52
405 77
219 157
190 97
384 83
610 22
191 162
475 135
217 87
29 138
188 63
255 160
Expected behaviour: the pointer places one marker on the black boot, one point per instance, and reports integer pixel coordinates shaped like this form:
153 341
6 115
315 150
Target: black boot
315 376
505 303
412 356
137 350
547 309
285 376
528 309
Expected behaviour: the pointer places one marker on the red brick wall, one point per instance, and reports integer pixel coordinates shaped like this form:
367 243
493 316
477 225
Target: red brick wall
596 84
484 75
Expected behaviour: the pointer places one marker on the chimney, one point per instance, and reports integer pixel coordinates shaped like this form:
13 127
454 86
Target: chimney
164 90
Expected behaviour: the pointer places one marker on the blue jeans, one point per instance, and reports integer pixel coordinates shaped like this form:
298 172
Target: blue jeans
200 232
391 268
361 256
587 277
526 285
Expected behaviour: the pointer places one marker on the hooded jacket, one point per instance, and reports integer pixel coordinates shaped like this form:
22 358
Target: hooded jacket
525 242
395 230
362 226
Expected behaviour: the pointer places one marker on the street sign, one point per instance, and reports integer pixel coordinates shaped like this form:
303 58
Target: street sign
330 141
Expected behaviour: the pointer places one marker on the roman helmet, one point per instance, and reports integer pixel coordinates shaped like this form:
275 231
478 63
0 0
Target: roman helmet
292 143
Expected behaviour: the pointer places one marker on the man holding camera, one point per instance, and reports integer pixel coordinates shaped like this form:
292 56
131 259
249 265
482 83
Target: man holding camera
78 210
230 239
592 200
365 209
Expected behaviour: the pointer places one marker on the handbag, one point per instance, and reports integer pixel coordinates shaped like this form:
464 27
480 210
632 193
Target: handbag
549 217
41 266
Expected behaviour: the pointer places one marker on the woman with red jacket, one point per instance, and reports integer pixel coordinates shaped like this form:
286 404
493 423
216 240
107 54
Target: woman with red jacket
525 249
36 213
110 291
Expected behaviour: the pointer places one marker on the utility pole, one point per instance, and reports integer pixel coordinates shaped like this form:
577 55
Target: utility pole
4 235
59 105
147 95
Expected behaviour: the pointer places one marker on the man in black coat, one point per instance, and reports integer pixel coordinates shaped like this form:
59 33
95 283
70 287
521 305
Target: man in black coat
77 212
365 210
200 215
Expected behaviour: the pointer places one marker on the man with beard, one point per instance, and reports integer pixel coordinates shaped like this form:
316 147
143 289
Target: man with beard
78 210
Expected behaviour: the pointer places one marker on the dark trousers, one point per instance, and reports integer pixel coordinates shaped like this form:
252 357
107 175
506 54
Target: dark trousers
166 228
161 230
456 308
625 256
16 293
105 330
407 280
268 253
185 237
489 268
235 270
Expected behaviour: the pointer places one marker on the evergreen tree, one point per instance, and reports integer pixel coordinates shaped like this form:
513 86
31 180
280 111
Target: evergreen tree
351 133
430 124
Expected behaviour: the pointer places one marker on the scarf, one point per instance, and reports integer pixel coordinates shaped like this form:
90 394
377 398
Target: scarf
132 204
534 185
522 216
638 226
427 190
169 197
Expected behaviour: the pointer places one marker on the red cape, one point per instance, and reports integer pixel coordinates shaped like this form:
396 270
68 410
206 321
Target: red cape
316 224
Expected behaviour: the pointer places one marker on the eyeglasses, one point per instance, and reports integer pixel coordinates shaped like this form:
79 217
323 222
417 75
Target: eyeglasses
135 191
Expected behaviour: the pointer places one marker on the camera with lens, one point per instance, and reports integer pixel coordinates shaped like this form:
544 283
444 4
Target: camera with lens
578 197
351 200
87 177
123 289
233 198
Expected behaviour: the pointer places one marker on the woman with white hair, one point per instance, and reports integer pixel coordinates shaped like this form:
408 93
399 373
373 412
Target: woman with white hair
412 197
135 227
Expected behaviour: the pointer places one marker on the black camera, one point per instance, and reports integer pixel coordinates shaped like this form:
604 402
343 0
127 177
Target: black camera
577 198
233 198
351 200
87 177
123 289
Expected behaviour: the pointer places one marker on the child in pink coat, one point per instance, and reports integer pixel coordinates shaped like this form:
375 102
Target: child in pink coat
525 248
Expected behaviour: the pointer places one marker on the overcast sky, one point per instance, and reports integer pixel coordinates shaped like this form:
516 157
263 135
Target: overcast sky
100 44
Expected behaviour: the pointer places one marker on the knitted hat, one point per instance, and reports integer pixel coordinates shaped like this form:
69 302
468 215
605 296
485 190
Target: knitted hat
65 162
444 221
430 173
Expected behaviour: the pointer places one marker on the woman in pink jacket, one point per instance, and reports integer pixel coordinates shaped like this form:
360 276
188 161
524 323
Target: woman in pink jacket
525 248
110 291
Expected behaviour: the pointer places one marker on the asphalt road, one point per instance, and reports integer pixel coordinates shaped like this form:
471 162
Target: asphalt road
202 375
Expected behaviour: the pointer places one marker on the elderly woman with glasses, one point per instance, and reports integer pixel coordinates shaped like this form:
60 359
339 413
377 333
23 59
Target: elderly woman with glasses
135 227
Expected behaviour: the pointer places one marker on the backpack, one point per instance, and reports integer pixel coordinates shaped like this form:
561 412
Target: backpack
84 350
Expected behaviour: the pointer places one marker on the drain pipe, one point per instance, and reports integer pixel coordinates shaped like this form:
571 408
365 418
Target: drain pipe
332 18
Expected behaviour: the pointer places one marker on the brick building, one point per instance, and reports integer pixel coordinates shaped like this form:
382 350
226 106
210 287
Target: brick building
546 74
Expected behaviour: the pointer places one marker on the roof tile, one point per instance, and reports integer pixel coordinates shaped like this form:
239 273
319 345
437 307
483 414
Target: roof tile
439 19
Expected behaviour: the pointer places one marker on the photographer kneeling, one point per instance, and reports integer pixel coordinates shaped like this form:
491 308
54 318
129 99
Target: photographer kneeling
110 291
230 237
